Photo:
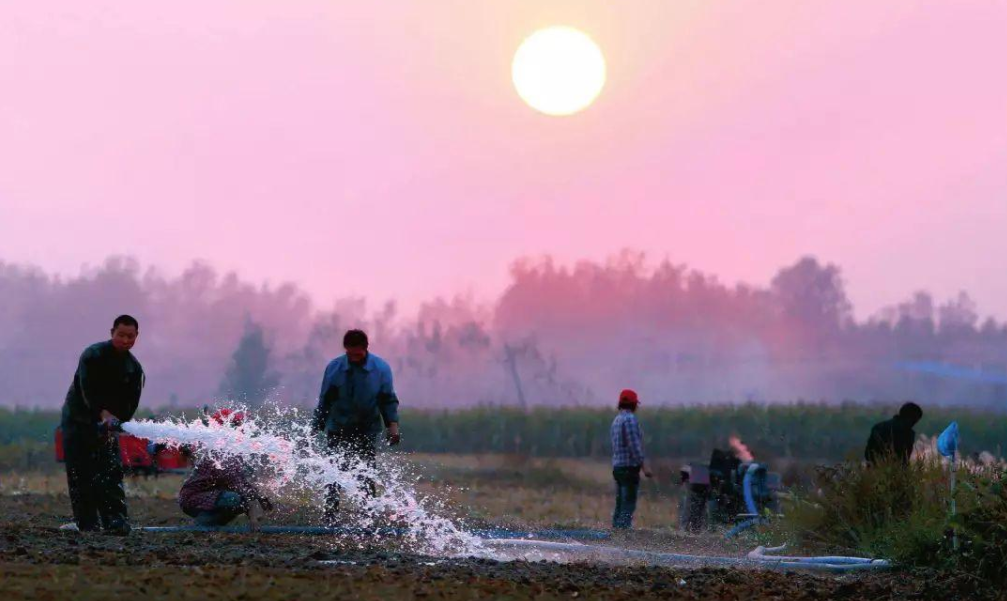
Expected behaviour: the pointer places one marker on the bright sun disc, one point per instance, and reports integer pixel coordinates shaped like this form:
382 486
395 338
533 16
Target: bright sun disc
558 71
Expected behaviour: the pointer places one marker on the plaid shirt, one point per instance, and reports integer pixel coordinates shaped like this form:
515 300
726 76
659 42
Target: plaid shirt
627 440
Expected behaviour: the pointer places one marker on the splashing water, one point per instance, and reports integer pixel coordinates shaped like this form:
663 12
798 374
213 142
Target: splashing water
298 462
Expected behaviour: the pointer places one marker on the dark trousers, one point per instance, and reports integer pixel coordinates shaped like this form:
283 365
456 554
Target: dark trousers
228 506
350 447
94 478
627 485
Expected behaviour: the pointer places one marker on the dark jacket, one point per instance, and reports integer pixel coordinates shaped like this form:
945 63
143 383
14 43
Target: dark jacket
208 479
105 379
356 398
894 437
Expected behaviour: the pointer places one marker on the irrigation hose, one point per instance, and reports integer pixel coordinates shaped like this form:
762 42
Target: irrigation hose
503 539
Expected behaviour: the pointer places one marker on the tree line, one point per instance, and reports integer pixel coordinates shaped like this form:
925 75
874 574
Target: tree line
559 335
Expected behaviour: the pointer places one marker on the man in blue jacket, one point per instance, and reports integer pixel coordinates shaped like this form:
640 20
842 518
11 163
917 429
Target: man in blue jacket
356 399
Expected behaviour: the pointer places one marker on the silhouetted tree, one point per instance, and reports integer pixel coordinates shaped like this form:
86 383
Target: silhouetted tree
249 377
958 316
812 294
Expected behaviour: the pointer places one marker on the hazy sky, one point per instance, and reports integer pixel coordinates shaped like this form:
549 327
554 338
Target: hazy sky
379 148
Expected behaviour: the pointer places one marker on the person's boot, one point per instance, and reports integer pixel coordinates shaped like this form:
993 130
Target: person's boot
331 516
254 515
86 527
118 528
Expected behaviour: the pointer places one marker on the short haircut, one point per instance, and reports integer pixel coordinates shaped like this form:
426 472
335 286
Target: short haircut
126 320
355 339
911 411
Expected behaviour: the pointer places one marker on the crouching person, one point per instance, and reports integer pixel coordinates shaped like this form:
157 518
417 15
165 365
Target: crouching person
218 491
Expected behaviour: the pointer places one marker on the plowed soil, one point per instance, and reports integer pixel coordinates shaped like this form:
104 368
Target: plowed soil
39 561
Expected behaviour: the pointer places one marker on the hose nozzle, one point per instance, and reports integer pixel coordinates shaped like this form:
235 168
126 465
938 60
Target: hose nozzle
112 426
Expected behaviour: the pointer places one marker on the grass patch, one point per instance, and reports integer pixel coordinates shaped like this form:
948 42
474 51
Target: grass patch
903 513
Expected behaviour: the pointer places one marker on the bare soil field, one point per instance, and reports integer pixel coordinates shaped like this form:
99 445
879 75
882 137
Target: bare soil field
39 561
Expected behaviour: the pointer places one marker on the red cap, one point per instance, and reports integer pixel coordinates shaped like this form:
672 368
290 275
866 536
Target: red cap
628 398
228 416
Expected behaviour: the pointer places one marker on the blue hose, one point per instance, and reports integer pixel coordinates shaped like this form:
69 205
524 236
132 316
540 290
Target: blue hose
746 487
495 533
741 527
500 537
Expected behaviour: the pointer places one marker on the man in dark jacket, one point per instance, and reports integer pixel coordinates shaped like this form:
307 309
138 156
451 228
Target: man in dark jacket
894 438
356 398
105 391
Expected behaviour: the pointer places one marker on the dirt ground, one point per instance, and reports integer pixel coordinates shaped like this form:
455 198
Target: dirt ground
38 561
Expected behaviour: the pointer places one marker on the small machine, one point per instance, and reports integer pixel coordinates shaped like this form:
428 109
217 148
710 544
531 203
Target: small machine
725 491
139 456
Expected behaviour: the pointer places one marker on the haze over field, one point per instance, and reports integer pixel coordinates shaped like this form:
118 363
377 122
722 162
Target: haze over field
570 334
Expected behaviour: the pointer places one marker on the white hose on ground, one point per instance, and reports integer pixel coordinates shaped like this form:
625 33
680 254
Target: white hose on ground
760 554
557 551
756 559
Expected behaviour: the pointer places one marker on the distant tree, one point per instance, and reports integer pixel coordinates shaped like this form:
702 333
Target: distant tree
916 317
991 329
303 367
813 294
915 331
249 377
958 316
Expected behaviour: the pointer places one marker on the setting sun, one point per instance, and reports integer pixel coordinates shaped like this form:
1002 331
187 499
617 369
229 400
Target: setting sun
558 71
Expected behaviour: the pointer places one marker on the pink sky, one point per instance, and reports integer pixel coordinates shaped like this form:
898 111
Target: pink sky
379 149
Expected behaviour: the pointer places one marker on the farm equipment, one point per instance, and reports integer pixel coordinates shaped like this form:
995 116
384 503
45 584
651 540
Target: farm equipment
139 456
726 491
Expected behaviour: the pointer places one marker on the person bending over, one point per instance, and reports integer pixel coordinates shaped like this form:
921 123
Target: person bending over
894 438
216 492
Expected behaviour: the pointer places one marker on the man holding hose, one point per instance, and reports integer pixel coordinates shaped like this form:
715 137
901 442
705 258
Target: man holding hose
105 391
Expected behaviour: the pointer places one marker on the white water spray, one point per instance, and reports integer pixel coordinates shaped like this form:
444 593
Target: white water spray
299 464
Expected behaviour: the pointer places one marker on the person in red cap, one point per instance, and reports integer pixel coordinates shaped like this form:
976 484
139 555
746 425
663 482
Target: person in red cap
218 491
628 459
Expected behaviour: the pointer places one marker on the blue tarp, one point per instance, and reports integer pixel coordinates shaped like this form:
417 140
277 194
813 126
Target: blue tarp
956 372
947 442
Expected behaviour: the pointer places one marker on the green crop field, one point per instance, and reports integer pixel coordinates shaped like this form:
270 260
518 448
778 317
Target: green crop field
805 432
